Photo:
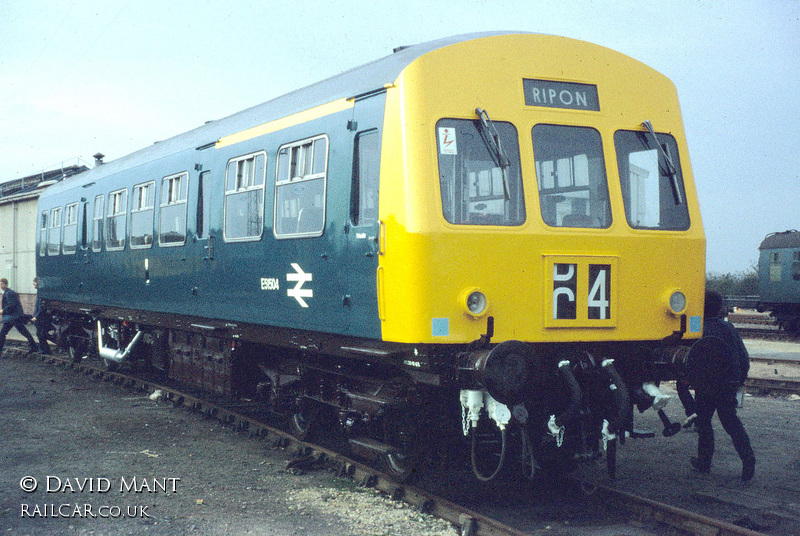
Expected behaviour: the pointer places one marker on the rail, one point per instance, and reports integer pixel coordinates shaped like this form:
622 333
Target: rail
468 521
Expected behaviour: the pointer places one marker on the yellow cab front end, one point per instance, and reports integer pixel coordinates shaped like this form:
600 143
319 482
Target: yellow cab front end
543 183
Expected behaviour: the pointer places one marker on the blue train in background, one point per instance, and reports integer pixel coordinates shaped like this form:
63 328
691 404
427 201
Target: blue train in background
779 278
482 241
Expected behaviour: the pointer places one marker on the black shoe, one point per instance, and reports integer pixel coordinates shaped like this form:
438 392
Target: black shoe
748 469
699 466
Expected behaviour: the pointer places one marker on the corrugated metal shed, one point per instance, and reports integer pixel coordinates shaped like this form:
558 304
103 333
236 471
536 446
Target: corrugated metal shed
20 187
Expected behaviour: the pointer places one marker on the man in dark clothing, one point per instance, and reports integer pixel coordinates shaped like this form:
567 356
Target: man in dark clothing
717 390
12 316
41 320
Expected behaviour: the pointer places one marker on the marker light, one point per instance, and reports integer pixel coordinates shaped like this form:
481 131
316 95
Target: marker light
474 302
677 302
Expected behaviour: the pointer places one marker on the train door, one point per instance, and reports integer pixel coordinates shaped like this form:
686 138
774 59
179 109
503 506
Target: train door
206 236
363 230
83 257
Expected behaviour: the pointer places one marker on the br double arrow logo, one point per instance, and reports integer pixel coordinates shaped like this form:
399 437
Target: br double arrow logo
300 278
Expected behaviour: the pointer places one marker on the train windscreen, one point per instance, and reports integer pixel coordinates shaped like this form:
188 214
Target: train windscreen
651 180
481 184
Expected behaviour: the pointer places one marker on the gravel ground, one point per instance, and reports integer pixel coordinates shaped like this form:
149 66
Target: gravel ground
659 469
108 461
176 472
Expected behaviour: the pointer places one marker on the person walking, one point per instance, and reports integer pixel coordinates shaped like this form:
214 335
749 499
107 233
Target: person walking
12 316
726 371
41 320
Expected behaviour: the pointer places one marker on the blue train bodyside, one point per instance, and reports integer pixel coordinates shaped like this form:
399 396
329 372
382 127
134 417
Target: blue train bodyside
245 281
779 277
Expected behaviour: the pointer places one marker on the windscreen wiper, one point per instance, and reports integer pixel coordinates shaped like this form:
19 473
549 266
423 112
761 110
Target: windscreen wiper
672 171
492 140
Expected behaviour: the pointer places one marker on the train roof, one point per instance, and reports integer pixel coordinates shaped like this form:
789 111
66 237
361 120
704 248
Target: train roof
359 80
785 239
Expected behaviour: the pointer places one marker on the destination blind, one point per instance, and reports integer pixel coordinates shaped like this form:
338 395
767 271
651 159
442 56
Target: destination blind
568 95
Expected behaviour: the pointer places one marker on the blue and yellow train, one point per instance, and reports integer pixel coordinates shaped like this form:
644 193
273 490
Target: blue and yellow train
489 240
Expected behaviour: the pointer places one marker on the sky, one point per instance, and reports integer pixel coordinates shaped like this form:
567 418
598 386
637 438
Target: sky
84 76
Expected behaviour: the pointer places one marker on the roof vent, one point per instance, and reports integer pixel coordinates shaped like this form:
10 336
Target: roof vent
398 49
98 159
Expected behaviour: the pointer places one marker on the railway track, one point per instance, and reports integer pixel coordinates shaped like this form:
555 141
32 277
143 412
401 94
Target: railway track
769 334
774 361
773 386
641 511
760 326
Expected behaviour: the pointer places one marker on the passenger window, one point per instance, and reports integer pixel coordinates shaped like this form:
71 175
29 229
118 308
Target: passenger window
54 233
115 220
203 204
364 200
70 233
571 174
244 197
775 268
652 191
97 223
479 175
43 234
143 200
796 265
172 215
300 183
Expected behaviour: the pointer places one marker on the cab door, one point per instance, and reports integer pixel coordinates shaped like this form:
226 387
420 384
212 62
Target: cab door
363 230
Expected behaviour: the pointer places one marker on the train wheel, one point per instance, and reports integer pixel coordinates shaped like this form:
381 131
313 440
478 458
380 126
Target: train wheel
78 348
305 421
402 430
301 425
401 465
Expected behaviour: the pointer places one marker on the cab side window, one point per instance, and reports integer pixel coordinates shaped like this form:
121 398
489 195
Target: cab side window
366 168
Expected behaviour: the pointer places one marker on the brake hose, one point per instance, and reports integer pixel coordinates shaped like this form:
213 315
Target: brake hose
474 456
